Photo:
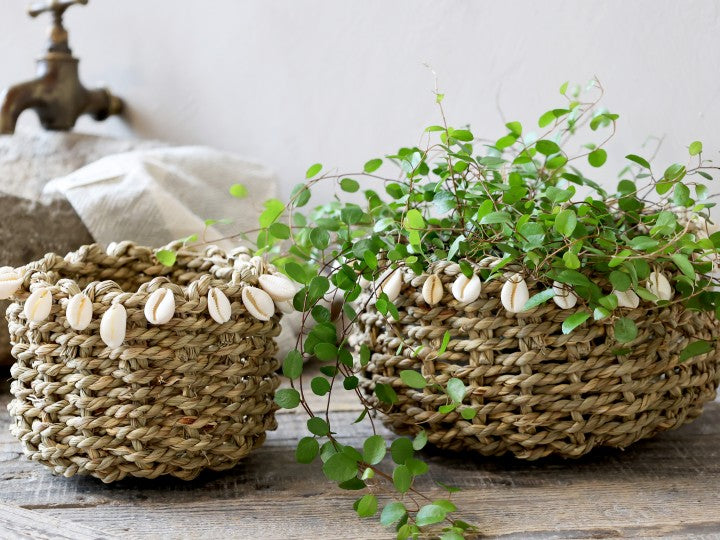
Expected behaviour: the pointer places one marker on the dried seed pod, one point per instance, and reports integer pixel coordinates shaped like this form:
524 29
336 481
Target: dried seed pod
432 291
79 311
659 285
219 306
113 326
514 294
627 299
392 284
258 303
466 289
160 307
278 287
10 282
564 297
38 305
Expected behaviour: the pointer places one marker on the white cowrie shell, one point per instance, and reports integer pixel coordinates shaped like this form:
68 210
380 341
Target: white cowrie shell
514 294
219 306
258 303
659 285
564 297
627 298
392 284
160 307
79 311
113 326
279 288
38 305
432 291
258 264
10 282
286 306
466 289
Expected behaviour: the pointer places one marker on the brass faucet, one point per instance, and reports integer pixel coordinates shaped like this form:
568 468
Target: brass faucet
57 95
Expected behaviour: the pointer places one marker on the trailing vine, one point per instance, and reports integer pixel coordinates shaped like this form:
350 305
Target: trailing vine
525 198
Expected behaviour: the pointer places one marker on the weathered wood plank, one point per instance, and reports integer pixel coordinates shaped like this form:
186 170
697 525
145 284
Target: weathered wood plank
19 523
668 486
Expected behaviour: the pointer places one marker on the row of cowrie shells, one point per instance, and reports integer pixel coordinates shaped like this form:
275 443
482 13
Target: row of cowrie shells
160 307
514 293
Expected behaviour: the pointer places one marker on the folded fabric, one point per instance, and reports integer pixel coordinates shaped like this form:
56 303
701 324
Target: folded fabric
155 196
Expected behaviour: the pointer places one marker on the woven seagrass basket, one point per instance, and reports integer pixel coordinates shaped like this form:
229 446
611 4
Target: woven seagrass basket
536 390
173 398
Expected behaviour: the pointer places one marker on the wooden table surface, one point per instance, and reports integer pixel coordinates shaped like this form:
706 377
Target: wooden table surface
668 486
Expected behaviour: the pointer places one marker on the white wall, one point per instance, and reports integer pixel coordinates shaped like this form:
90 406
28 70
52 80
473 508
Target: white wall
293 82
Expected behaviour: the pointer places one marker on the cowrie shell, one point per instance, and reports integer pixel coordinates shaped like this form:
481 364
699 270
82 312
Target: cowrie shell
627 298
514 294
258 303
79 311
392 284
659 285
160 307
113 326
564 297
466 289
258 264
219 306
432 291
38 305
286 306
279 288
10 282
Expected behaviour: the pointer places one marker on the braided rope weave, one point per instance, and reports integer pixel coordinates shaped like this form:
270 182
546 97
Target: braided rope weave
173 399
536 390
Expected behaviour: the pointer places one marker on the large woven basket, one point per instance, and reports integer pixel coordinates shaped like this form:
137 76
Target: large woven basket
536 390
174 398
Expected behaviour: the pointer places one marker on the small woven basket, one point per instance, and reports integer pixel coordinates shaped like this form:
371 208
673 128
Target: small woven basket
536 390
174 398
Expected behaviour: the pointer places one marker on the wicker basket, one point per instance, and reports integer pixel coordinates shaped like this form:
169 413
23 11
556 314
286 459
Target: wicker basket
174 398
536 390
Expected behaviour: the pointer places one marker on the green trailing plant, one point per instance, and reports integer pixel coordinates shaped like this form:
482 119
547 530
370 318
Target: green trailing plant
531 198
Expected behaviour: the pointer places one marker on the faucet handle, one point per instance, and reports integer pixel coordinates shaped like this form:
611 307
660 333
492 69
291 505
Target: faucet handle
58 35
56 7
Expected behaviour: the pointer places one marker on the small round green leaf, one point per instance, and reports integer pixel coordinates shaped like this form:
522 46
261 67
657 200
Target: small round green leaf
625 330
401 450
313 170
367 505
372 165
349 185
287 398
340 467
307 450
318 426
402 478
374 449
238 191
293 364
166 257
430 514
413 378
597 157
320 386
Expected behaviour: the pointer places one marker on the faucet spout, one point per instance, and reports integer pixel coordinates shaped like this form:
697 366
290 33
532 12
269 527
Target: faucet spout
14 101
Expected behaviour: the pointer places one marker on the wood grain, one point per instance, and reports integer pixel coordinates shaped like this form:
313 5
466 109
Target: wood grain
668 486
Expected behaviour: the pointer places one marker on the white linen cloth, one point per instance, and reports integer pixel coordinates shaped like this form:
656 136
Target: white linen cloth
155 196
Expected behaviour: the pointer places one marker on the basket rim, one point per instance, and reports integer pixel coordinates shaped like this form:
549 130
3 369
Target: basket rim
60 274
